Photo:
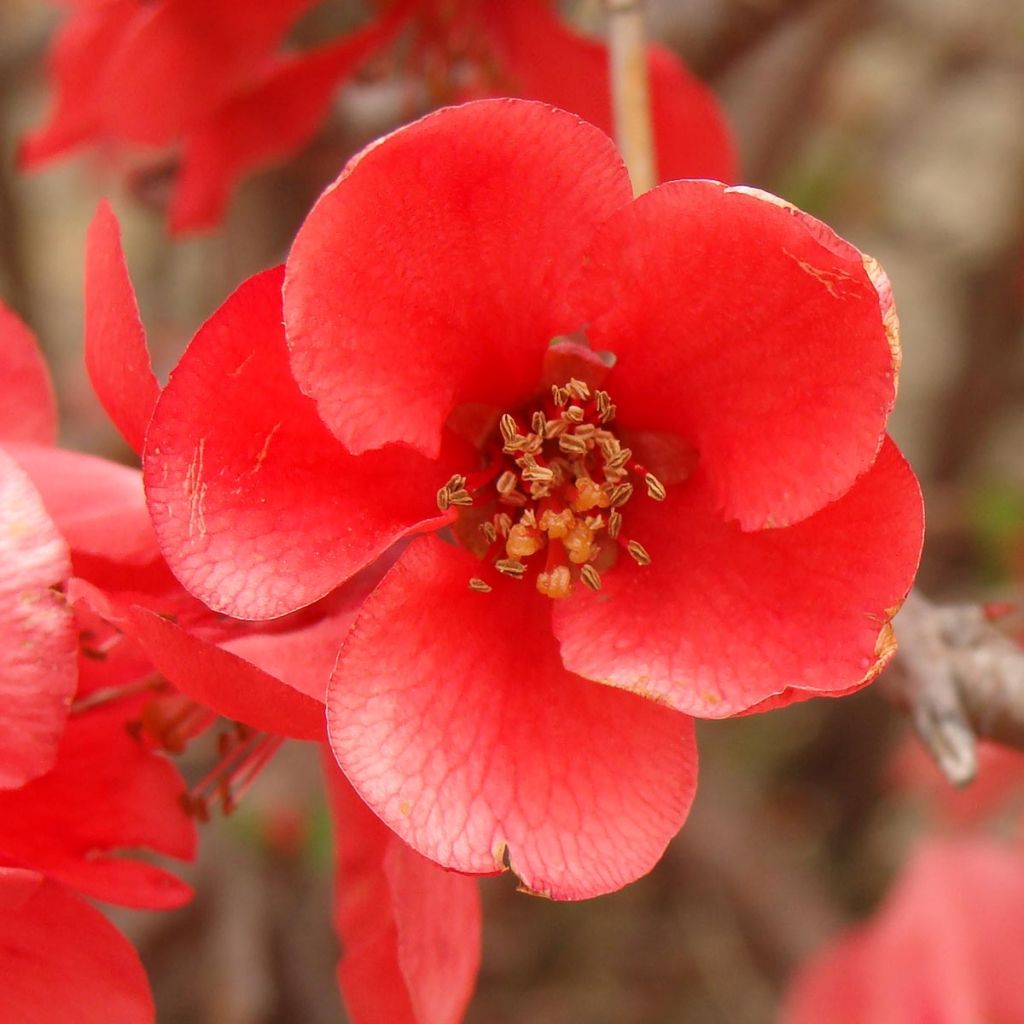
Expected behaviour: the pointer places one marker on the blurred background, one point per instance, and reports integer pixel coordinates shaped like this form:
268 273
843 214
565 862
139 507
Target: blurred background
901 123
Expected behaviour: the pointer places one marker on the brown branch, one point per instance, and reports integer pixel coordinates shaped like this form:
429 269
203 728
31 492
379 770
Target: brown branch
959 679
631 100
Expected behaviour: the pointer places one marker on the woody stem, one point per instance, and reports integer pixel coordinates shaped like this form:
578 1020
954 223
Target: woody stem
631 99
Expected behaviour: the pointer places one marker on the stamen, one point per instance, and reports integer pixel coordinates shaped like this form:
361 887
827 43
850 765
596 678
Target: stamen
572 445
556 583
507 482
639 553
523 540
566 476
655 488
578 389
511 567
614 523
578 542
620 495
454 493
509 430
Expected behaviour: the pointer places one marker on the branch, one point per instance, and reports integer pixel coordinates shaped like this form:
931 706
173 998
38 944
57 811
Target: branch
631 100
959 679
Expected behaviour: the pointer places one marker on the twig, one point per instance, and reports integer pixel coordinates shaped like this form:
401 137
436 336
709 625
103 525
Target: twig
631 100
959 679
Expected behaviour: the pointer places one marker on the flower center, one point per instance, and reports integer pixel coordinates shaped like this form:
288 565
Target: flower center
553 494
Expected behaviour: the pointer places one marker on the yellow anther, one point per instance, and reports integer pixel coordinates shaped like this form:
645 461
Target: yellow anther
479 586
523 541
557 524
589 495
578 542
591 577
555 584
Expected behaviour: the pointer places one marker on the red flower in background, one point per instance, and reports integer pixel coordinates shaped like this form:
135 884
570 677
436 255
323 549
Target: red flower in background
945 947
108 789
211 77
708 484
75 792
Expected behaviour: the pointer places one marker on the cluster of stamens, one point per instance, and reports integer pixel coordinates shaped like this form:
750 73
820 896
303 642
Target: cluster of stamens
562 479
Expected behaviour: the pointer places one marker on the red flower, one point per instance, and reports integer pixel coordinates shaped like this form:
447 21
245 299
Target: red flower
945 947
75 792
754 367
209 76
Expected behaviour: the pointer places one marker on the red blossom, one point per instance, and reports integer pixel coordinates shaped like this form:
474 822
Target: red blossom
63 960
37 631
944 948
739 365
211 79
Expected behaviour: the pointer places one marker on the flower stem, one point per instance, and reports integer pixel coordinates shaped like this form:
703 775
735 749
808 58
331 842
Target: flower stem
631 100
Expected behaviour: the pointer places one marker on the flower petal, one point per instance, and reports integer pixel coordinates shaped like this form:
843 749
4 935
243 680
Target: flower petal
258 509
37 631
116 355
28 411
225 682
431 274
452 716
265 122
181 58
77 62
944 947
106 793
410 931
99 506
752 331
62 960
546 60
722 620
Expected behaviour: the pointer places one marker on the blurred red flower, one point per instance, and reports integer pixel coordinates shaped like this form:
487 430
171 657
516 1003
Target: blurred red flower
213 79
945 947
76 792
738 366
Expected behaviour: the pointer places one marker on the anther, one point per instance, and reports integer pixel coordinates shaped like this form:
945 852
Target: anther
574 414
572 445
537 474
555 584
537 422
655 488
510 567
555 428
479 586
509 430
559 395
507 482
639 553
489 531
620 495
503 523
614 523
578 389
591 577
